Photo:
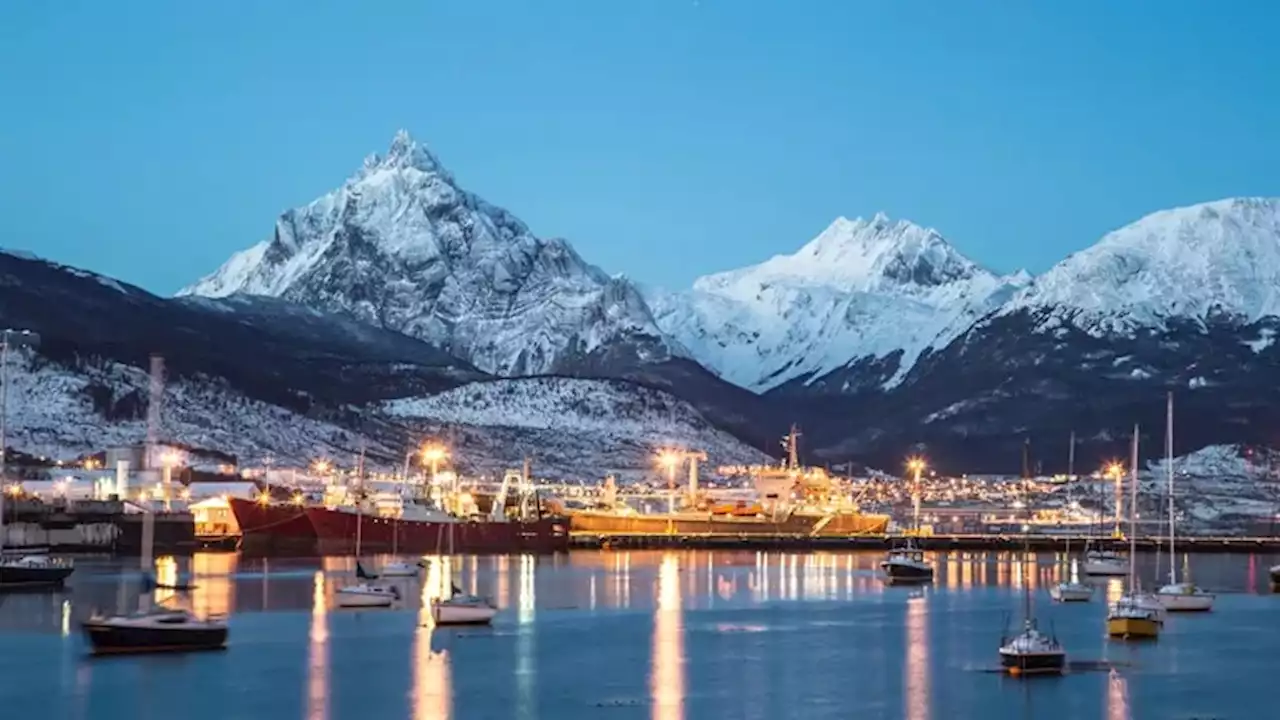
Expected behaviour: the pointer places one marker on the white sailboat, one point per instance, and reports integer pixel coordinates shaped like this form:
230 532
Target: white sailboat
399 568
1031 651
367 593
1105 563
1135 601
1072 590
460 608
1179 596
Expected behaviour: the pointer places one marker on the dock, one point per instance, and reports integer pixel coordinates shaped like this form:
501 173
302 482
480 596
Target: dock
936 543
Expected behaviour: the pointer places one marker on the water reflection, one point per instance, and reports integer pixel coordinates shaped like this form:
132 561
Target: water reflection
1117 697
916 665
432 692
667 672
318 652
526 670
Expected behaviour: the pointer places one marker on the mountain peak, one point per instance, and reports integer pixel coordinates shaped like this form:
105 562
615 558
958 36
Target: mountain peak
1219 258
859 255
404 153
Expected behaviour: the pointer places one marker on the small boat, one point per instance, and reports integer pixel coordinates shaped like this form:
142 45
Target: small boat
33 571
1105 563
1274 572
366 594
1032 652
155 630
1131 621
1179 596
461 609
1135 615
1071 592
906 564
400 569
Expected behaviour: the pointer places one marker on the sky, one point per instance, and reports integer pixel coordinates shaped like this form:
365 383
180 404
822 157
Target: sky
665 139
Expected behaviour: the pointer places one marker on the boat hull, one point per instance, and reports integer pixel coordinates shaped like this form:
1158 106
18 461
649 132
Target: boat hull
106 638
362 600
1185 602
904 574
838 524
272 524
17 576
1133 628
445 614
336 531
1068 593
1105 568
1033 663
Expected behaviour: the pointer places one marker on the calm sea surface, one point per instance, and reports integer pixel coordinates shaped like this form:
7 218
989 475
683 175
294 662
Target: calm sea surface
661 635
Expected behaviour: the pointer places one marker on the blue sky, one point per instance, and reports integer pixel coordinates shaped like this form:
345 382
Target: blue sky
664 138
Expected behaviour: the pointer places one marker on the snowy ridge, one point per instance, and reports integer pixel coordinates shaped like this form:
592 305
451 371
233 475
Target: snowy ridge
862 288
576 426
400 245
1213 260
61 413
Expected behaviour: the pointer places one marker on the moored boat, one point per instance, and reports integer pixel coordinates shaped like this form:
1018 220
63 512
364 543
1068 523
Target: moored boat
157 630
34 571
267 520
459 609
1032 652
1177 596
906 564
1131 621
366 594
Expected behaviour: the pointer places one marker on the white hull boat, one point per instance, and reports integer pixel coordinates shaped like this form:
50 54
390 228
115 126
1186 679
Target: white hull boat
400 569
1184 597
1071 592
366 595
463 611
1105 565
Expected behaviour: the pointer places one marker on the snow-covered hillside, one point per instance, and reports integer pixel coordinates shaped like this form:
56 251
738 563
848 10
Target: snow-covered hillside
1218 259
401 246
62 412
862 289
572 428
1220 488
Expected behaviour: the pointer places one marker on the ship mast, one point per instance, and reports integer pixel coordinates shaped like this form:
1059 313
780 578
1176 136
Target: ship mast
1133 512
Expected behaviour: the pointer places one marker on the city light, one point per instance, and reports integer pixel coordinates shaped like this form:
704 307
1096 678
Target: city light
320 467
669 458
916 464
433 453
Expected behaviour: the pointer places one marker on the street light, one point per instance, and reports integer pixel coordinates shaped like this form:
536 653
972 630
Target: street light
916 465
671 460
432 454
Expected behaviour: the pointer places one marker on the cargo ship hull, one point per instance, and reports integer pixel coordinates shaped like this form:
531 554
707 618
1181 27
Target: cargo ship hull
838 524
336 531
275 524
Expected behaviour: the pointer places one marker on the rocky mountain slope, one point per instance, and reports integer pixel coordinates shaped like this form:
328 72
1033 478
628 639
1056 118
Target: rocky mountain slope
851 310
401 246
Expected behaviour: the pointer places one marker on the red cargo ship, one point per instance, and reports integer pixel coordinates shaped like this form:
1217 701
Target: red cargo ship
336 530
273 522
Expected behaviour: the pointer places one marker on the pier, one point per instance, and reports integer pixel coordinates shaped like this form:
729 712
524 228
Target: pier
977 543
90 526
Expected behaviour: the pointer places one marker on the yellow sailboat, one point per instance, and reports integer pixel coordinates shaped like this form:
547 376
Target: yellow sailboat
1129 618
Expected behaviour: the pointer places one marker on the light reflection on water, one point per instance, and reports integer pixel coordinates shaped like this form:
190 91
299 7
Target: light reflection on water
667 635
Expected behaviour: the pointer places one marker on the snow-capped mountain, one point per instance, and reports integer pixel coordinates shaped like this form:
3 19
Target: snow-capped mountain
869 295
400 245
1213 261
572 428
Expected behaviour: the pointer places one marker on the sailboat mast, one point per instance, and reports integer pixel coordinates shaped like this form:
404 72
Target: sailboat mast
1168 452
359 499
1133 511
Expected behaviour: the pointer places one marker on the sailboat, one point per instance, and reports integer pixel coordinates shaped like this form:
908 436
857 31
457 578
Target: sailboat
1072 590
1178 596
399 568
366 593
1106 563
154 628
1031 651
460 608
1132 616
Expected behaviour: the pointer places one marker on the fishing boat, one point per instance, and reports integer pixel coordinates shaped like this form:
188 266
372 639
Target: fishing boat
1031 651
906 564
462 609
1072 590
1177 596
154 628
1132 616
368 592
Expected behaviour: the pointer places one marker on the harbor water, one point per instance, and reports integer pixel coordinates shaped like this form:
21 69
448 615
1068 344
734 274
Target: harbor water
664 635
